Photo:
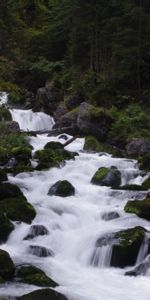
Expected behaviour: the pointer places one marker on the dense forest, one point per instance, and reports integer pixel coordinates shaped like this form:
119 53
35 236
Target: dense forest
100 49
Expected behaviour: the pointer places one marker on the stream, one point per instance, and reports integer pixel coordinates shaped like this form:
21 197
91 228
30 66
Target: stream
75 223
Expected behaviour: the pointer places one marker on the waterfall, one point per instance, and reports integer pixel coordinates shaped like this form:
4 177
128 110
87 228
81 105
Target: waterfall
3 98
29 120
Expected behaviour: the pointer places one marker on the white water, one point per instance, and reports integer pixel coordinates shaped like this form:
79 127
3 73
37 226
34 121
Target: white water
29 120
74 224
3 98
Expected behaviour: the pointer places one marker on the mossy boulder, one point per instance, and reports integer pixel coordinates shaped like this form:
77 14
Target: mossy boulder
3 175
18 209
107 177
9 190
22 154
32 275
139 207
62 188
146 184
93 144
7 266
5 227
44 294
126 246
49 158
54 146
4 155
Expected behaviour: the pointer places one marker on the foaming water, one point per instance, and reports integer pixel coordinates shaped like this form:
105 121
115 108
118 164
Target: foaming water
3 98
78 239
74 225
29 120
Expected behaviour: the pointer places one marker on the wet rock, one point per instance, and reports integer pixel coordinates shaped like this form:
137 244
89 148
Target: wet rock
132 187
9 190
139 207
69 120
94 145
144 162
110 216
54 146
62 188
140 269
7 266
32 275
40 251
49 158
18 209
63 136
138 146
3 175
44 294
36 230
60 111
126 247
107 177
22 155
5 227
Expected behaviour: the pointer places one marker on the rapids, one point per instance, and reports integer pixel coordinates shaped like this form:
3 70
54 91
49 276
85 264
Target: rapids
74 224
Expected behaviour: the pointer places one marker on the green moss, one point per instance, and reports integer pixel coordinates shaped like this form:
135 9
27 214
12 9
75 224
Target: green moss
129 236
18 209
54 146
7 267
33 275
43 294
8 190
146 184
92 144
144 162
100 174
49 158
5 227
62 188
139 207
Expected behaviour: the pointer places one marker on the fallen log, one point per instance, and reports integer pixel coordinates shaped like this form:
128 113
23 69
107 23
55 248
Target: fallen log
70 141
52 132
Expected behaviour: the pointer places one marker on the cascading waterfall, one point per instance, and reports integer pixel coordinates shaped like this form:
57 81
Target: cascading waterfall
75 225
29 120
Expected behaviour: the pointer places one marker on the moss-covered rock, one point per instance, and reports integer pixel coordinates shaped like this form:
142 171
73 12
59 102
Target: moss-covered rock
49 158
139 207
62 188
44 294
54 146
22 154
93 144
146 184
5 227
126 247
7 266
3 175
18 209
8 190
107 177
32 275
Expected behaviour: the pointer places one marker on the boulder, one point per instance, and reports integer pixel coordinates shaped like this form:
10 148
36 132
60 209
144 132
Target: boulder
126 247
144 162
139 207
74 100
54 146
40 251
12 126
93 120
32 275
44 294
60 111
107 177
7 266
5 227
138 146
36 230
62 188
68 120
9 190
18 209
48 98
110 216
22 155
146 184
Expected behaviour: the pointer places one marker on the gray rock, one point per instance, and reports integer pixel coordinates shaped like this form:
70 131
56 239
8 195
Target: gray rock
12 126
138 146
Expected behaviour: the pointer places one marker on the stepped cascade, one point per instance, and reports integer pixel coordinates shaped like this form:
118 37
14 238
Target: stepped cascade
75 249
